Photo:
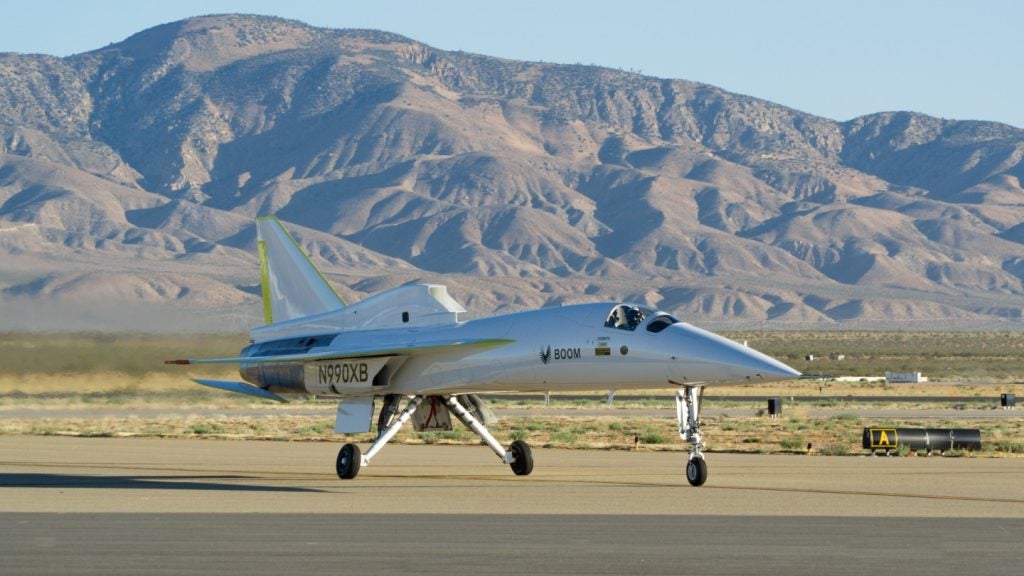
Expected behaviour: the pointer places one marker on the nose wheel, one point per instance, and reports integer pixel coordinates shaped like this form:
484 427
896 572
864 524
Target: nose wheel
687 410
696 471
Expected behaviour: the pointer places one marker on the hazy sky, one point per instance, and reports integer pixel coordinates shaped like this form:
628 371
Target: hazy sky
840 60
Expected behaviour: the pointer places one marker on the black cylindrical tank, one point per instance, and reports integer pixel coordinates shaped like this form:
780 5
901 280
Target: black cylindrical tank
922 438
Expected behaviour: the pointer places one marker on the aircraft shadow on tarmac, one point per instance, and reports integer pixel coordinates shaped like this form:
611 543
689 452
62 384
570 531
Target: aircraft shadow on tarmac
199 483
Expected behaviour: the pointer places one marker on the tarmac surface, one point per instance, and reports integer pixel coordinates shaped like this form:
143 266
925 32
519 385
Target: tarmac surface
150 506
327 411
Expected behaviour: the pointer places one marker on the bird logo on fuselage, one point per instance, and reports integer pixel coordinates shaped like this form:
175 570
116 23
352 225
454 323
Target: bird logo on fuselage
545 355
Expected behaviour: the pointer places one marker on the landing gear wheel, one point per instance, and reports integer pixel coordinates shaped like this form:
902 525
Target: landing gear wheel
696 471
349 461
522 464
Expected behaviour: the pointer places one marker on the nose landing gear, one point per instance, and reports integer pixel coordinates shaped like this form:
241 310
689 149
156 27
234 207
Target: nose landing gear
696 471
687 411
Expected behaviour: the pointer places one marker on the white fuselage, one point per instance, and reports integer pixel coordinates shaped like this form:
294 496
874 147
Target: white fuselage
565 348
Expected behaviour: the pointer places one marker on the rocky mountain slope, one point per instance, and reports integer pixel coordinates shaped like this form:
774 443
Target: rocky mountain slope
130 177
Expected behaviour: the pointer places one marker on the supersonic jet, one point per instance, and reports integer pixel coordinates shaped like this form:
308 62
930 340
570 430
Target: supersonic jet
408 344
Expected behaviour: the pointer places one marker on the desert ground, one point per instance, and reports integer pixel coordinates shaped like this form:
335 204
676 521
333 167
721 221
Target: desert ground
105 385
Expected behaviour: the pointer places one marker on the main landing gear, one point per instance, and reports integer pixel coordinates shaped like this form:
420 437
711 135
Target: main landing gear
687 411
350 460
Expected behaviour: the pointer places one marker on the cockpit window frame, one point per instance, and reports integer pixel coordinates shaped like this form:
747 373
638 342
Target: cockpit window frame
660 321
627 317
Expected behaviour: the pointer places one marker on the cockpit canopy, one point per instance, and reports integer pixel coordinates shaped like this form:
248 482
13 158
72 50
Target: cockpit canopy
629 317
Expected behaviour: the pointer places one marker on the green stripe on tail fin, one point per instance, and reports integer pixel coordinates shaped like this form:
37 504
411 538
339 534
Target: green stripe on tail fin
292 286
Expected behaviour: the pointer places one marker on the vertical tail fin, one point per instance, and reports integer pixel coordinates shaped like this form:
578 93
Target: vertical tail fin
292 286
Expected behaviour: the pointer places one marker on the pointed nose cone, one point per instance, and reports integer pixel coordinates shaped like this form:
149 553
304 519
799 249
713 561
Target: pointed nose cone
765 367
711 358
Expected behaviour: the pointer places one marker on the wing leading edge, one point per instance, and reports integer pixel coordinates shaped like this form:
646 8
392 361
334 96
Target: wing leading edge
355 352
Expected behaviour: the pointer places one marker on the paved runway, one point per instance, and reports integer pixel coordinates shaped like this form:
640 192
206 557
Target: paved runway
327 411
503 544
133 506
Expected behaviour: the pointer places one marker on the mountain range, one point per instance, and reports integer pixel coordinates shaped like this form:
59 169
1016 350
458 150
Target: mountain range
130 177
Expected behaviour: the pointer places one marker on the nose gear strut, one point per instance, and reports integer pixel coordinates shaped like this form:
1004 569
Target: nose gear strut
687 413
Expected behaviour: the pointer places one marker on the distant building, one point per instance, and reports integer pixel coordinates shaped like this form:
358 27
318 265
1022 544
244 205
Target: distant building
859 378
836 356
904 377
809 357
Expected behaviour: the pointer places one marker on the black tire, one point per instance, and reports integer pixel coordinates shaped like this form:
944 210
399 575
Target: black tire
350 458
523 456
696 471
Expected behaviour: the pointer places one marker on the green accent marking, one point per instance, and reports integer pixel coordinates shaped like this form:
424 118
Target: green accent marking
403 351
304 255
265 282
